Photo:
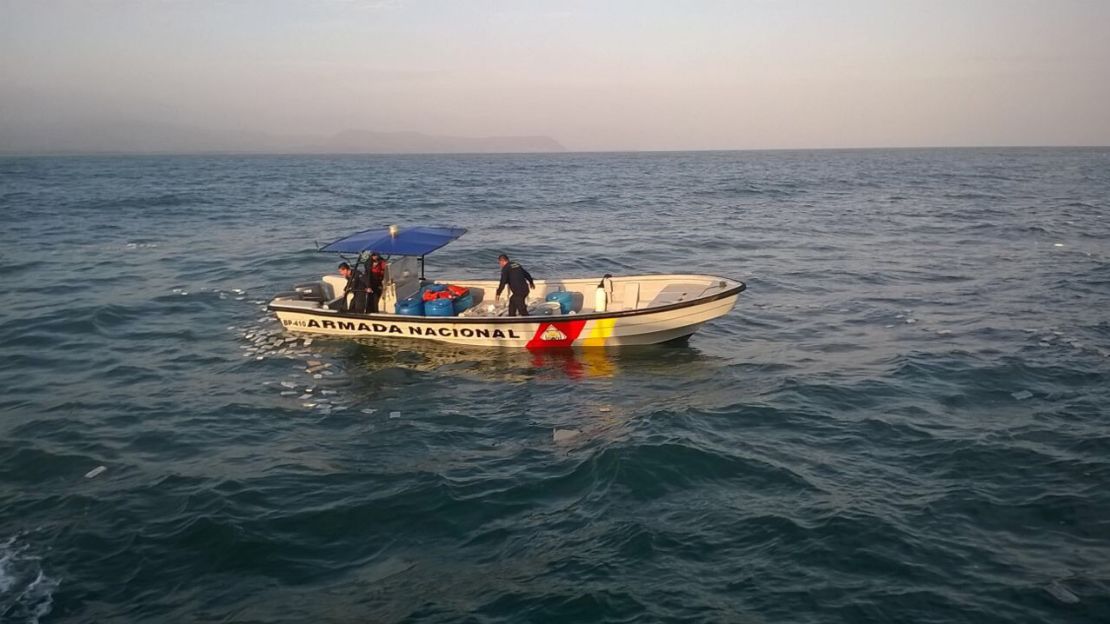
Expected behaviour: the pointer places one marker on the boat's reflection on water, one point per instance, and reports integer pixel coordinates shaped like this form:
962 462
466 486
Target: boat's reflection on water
522 364
668 378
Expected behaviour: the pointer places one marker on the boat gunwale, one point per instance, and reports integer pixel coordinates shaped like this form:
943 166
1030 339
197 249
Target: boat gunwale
555 318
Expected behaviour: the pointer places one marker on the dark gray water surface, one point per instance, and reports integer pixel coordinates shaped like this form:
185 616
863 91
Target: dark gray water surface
904 419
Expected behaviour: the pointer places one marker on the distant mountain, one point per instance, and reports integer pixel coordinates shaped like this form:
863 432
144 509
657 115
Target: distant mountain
159 138
365 141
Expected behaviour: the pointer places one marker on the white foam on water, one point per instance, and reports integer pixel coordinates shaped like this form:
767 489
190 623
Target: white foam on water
7 578
26 592
1021 396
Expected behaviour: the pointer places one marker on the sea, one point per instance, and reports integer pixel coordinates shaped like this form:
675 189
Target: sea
904 419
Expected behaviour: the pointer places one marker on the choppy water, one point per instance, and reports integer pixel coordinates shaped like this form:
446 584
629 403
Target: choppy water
903 420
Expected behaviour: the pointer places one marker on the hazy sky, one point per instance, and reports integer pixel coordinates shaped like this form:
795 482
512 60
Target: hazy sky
594 75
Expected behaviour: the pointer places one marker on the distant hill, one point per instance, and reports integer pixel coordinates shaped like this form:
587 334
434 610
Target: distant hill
157 138
365 141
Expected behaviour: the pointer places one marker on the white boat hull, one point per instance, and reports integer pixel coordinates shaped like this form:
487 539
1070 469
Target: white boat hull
644 326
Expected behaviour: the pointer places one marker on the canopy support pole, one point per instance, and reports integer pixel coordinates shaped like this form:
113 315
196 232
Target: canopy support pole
421 268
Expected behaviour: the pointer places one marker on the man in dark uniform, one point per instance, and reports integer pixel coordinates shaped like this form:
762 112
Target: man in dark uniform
357 286
518 280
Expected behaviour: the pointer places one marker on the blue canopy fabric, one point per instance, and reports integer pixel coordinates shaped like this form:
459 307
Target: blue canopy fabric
412 241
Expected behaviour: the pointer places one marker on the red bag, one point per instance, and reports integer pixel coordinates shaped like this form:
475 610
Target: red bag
446 294
458 291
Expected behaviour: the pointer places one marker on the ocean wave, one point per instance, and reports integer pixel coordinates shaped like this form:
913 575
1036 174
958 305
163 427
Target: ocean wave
26 591
140 202
902 420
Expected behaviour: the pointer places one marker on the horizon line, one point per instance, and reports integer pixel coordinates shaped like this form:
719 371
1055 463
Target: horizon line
87 153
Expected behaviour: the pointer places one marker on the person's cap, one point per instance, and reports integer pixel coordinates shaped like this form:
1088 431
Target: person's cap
344 265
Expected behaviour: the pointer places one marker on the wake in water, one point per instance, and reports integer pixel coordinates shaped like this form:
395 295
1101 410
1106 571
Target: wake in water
26 592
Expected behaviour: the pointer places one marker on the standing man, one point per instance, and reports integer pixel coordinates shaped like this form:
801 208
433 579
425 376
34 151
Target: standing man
356 286
518 280
375 274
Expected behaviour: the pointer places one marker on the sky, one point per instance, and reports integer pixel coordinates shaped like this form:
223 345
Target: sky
594 75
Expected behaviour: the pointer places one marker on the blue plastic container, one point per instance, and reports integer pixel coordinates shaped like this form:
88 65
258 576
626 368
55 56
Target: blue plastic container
464 303
439 307
410 307
565 299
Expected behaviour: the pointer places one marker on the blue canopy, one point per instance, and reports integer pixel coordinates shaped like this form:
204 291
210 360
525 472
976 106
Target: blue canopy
412 241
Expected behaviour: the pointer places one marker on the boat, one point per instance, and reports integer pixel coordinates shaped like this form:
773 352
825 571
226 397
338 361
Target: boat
600 311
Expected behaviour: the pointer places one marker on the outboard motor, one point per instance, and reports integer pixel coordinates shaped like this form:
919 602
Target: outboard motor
310 291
